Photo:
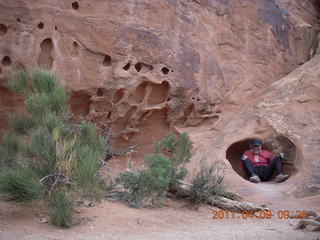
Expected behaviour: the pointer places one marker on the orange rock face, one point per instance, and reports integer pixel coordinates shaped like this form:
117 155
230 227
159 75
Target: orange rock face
148 66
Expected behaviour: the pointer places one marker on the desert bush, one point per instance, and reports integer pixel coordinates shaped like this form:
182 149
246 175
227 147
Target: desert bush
20 184
60 152
163 172
146 185
61 209
178 150
10 143
42 92
21 124
9 150
207 183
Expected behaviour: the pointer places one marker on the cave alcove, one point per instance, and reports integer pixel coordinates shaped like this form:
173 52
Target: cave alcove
275 146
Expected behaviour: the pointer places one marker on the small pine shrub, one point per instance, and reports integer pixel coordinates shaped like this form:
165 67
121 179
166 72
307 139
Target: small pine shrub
61 209
178 150
20 82
146 185
42 92
163 172
22 124
20 184
87 167
10 143
88 150
9 149
60 152
51 121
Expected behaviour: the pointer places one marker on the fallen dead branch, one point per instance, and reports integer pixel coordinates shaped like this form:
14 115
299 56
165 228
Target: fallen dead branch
312 219
226 201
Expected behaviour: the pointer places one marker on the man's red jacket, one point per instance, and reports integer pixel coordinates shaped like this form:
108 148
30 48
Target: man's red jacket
261 159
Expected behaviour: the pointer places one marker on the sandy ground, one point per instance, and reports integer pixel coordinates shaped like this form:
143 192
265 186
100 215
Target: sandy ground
114 220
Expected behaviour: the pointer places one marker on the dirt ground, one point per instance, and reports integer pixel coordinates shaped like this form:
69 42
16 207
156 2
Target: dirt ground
113 220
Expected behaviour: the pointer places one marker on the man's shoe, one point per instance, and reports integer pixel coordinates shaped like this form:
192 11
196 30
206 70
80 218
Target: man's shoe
281 177
254 178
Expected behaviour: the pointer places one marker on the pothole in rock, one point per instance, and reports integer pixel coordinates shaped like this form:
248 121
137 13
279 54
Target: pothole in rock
275 146
143 68
118 96
3 29
40 25
127 66
75 6
107 61
159 93
138 95
45 59
6 61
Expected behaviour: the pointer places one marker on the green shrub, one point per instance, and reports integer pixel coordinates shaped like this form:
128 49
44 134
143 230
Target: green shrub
9 149
163 173
87 167
88 150
10 143
40 103
42 91
146 185
44 81
60 152
20 82
22 124
61 209
178 150
51 121
20 184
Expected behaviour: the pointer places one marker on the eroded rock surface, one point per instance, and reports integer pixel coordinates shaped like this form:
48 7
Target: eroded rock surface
148 66
287 119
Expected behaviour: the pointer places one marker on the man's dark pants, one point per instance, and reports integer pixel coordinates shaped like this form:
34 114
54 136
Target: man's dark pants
264 172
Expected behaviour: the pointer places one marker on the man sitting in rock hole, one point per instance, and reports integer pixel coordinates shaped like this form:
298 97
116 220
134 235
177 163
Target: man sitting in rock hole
260 164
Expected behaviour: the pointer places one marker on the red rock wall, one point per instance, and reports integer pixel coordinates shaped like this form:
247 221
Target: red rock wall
156 63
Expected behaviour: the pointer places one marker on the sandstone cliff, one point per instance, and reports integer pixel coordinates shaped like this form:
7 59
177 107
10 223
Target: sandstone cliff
209 67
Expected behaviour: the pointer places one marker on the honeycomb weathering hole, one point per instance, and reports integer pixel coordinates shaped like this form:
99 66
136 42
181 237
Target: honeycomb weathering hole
139 93
40 25
118 96
100 92
159 93
3 29
6 61
107 61
75 6
127 66
165 70
45 59
143 68
75 49
236 150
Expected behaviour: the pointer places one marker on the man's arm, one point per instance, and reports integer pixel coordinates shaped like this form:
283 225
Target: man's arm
269 156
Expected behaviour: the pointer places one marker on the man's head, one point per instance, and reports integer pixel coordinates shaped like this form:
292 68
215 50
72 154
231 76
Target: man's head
255 145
